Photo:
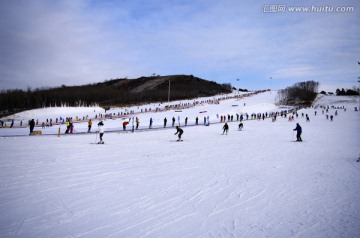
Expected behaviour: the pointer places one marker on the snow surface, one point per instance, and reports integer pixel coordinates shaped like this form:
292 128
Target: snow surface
250 183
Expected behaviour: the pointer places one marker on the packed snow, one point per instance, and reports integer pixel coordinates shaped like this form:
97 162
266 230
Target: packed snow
255 182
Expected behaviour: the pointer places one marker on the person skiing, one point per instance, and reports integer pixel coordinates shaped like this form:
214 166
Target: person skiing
226 128
180 131
165 121
67 126
241 125
101 131
137 121
89 125
124 125
71 127
298 130
32 125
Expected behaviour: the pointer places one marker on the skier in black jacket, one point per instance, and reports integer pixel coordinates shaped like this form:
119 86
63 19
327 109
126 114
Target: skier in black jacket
226 128
298 132
180 131
173 121
32 125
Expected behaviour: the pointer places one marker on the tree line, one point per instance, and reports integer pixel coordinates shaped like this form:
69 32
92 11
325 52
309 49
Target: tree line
347 92
300 94
115 92
343 92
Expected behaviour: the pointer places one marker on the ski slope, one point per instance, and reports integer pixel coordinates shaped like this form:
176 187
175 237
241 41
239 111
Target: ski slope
250 183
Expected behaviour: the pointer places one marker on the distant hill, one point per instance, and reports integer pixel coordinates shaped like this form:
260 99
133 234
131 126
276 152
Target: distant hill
116 92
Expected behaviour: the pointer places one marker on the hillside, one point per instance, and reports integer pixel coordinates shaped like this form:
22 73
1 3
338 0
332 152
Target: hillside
116 92
250 183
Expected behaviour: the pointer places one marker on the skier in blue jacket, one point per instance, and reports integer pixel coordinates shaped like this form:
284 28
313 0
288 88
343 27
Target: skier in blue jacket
298 130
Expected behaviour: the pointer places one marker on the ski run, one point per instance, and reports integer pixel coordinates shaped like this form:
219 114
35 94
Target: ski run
252 182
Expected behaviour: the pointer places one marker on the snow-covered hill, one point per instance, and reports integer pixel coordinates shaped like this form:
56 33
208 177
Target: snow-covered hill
250 183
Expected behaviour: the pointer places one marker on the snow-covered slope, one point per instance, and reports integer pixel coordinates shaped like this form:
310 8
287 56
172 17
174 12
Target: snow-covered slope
250 183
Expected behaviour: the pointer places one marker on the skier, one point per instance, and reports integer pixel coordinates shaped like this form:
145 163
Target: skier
298 132
165 121
89 125
241 126
101 131
137 121
226 128
32 125
67 126
71 127
124 125
180 131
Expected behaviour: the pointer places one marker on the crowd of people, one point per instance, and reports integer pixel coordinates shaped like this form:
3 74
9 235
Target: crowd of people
185 121
290 114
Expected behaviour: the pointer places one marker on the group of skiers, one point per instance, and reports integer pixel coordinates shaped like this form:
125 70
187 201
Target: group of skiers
69 127
226 128
179 130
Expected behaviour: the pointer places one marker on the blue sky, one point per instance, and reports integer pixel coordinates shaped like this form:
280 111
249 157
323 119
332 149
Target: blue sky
45 43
